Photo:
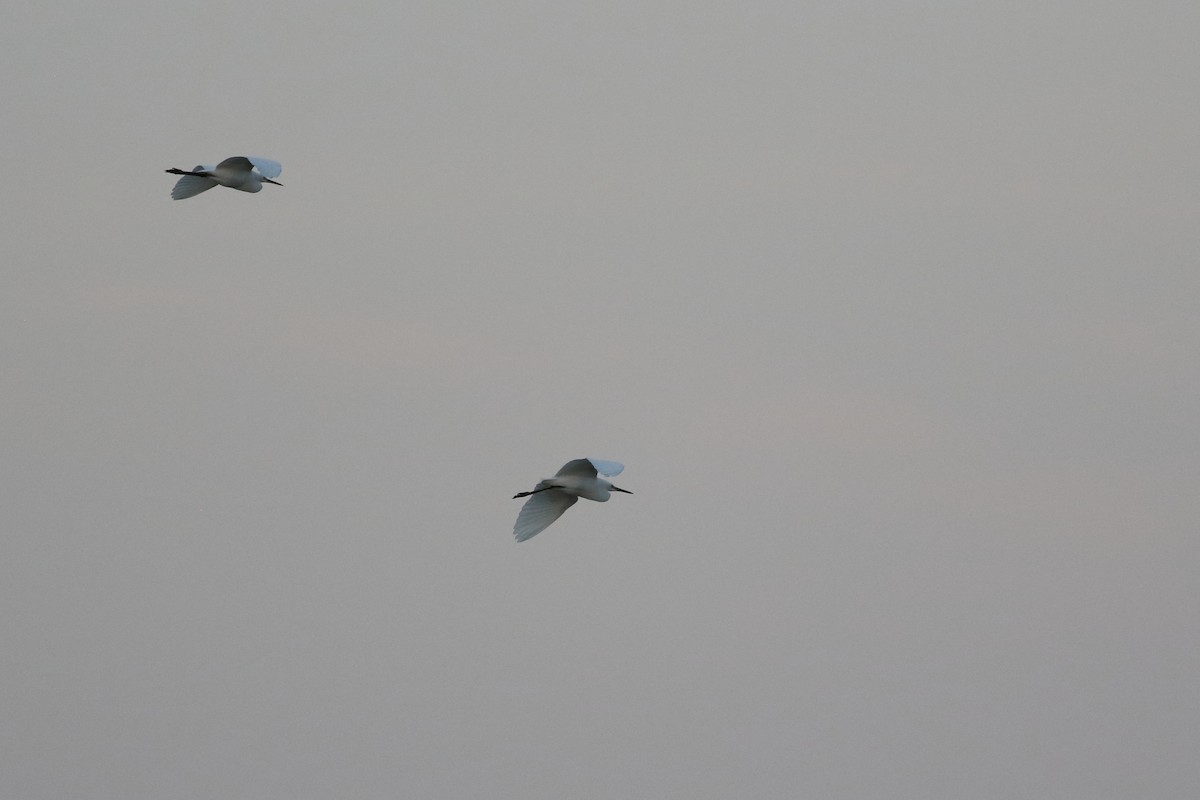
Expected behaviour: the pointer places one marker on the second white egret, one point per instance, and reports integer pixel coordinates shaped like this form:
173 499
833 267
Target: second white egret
244 173
553 496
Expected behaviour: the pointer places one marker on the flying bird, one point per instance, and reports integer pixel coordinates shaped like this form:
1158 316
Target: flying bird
246 174
553 496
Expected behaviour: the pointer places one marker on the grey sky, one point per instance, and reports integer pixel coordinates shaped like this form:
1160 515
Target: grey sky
888 308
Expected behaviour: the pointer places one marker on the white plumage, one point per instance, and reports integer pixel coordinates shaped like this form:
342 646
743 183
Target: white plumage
244 173
553 496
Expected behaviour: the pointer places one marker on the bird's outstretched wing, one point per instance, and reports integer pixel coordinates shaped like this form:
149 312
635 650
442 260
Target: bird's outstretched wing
236 163
265 166
589 467
540 510
606 468
190 186
581 467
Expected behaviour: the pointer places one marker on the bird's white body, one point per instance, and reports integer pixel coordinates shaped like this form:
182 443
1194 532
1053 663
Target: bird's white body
244 173
553 496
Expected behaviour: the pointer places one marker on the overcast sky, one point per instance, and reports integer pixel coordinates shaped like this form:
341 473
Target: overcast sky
889 308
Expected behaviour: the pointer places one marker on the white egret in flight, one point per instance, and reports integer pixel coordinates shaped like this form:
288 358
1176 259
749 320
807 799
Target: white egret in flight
246 174
552 496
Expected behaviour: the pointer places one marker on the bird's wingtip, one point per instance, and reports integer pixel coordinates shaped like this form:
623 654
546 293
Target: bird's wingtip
608 469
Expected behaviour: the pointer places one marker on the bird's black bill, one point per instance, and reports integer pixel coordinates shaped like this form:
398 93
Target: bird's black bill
619 489
268 180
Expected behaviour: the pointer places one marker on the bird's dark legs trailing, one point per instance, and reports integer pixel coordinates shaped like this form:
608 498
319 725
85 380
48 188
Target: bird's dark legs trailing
535 491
